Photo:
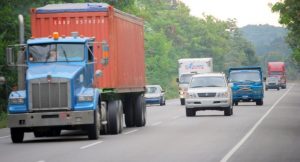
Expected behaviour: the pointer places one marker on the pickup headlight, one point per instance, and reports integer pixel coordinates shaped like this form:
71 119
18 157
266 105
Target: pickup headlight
192 95
16 101
85 98
222 94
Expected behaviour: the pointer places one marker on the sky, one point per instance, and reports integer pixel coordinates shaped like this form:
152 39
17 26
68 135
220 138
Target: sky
246 12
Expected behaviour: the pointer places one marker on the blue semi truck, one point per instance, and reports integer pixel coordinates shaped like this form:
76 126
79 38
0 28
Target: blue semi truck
72 72
246 84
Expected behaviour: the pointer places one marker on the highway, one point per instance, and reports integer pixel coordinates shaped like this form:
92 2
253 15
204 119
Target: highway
267 133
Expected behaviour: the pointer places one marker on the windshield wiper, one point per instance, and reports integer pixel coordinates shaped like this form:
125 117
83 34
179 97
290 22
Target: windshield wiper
65 54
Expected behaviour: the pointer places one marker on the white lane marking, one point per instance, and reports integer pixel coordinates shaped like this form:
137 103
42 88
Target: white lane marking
4 137
176 117
157 123
131 131
240 143
90 145
41 161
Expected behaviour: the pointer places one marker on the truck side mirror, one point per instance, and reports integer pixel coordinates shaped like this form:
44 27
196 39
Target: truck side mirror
177 80
10 57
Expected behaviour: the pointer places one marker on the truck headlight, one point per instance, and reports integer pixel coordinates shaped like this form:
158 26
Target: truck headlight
16 101
222 94
85 98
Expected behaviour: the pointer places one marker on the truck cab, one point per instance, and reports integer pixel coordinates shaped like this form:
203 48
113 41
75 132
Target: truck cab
58 92
246 84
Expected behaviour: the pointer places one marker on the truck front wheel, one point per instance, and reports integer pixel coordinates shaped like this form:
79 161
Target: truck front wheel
260 102
17 135
94 129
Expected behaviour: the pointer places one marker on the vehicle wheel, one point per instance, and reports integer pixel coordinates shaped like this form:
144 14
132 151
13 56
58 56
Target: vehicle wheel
94 129
103 113
283 87
17 135
140 111
277 88
266 89
259 102
161 101
235 103
182 101
228 111
113 124
120 116
129 112
190 112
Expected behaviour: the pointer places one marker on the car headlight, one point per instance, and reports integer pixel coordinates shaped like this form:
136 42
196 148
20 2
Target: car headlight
192 95
16 101
222 94
85 98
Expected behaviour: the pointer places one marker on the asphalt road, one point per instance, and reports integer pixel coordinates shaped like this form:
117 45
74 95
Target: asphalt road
254 133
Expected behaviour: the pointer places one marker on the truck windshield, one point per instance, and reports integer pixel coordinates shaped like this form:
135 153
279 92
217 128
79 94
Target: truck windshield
56 52
197 82
244 76
185 78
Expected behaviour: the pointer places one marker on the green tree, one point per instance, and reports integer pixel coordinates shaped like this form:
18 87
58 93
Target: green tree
289 16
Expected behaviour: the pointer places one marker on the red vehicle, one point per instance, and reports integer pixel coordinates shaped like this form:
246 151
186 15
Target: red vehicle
277 69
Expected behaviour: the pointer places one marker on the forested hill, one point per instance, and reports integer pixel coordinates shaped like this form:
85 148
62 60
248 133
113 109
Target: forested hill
267 39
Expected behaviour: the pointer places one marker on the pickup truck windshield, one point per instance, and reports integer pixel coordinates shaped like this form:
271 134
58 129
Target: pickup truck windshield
197 82
244 76
56 52
185 78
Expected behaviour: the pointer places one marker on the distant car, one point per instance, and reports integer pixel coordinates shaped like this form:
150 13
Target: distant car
155 95
272 83
209 92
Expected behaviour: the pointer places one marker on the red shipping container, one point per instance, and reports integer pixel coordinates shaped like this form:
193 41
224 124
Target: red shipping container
125 71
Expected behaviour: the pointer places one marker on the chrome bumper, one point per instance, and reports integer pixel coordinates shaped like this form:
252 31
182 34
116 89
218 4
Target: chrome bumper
41 119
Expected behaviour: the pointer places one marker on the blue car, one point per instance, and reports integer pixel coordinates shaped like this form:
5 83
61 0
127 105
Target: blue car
155 95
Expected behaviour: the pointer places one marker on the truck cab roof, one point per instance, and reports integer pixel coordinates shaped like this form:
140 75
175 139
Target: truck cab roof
59 40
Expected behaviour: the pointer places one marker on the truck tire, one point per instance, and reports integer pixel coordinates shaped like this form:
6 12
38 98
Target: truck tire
17 135
182 101
190 112
235 103
103 129
121 116
129 112
140 111
94 129
283 87
260 102
114 117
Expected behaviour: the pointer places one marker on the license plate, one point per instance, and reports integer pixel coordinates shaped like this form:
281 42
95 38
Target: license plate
244 96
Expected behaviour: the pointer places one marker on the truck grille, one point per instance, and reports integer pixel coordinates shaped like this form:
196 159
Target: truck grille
53 95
